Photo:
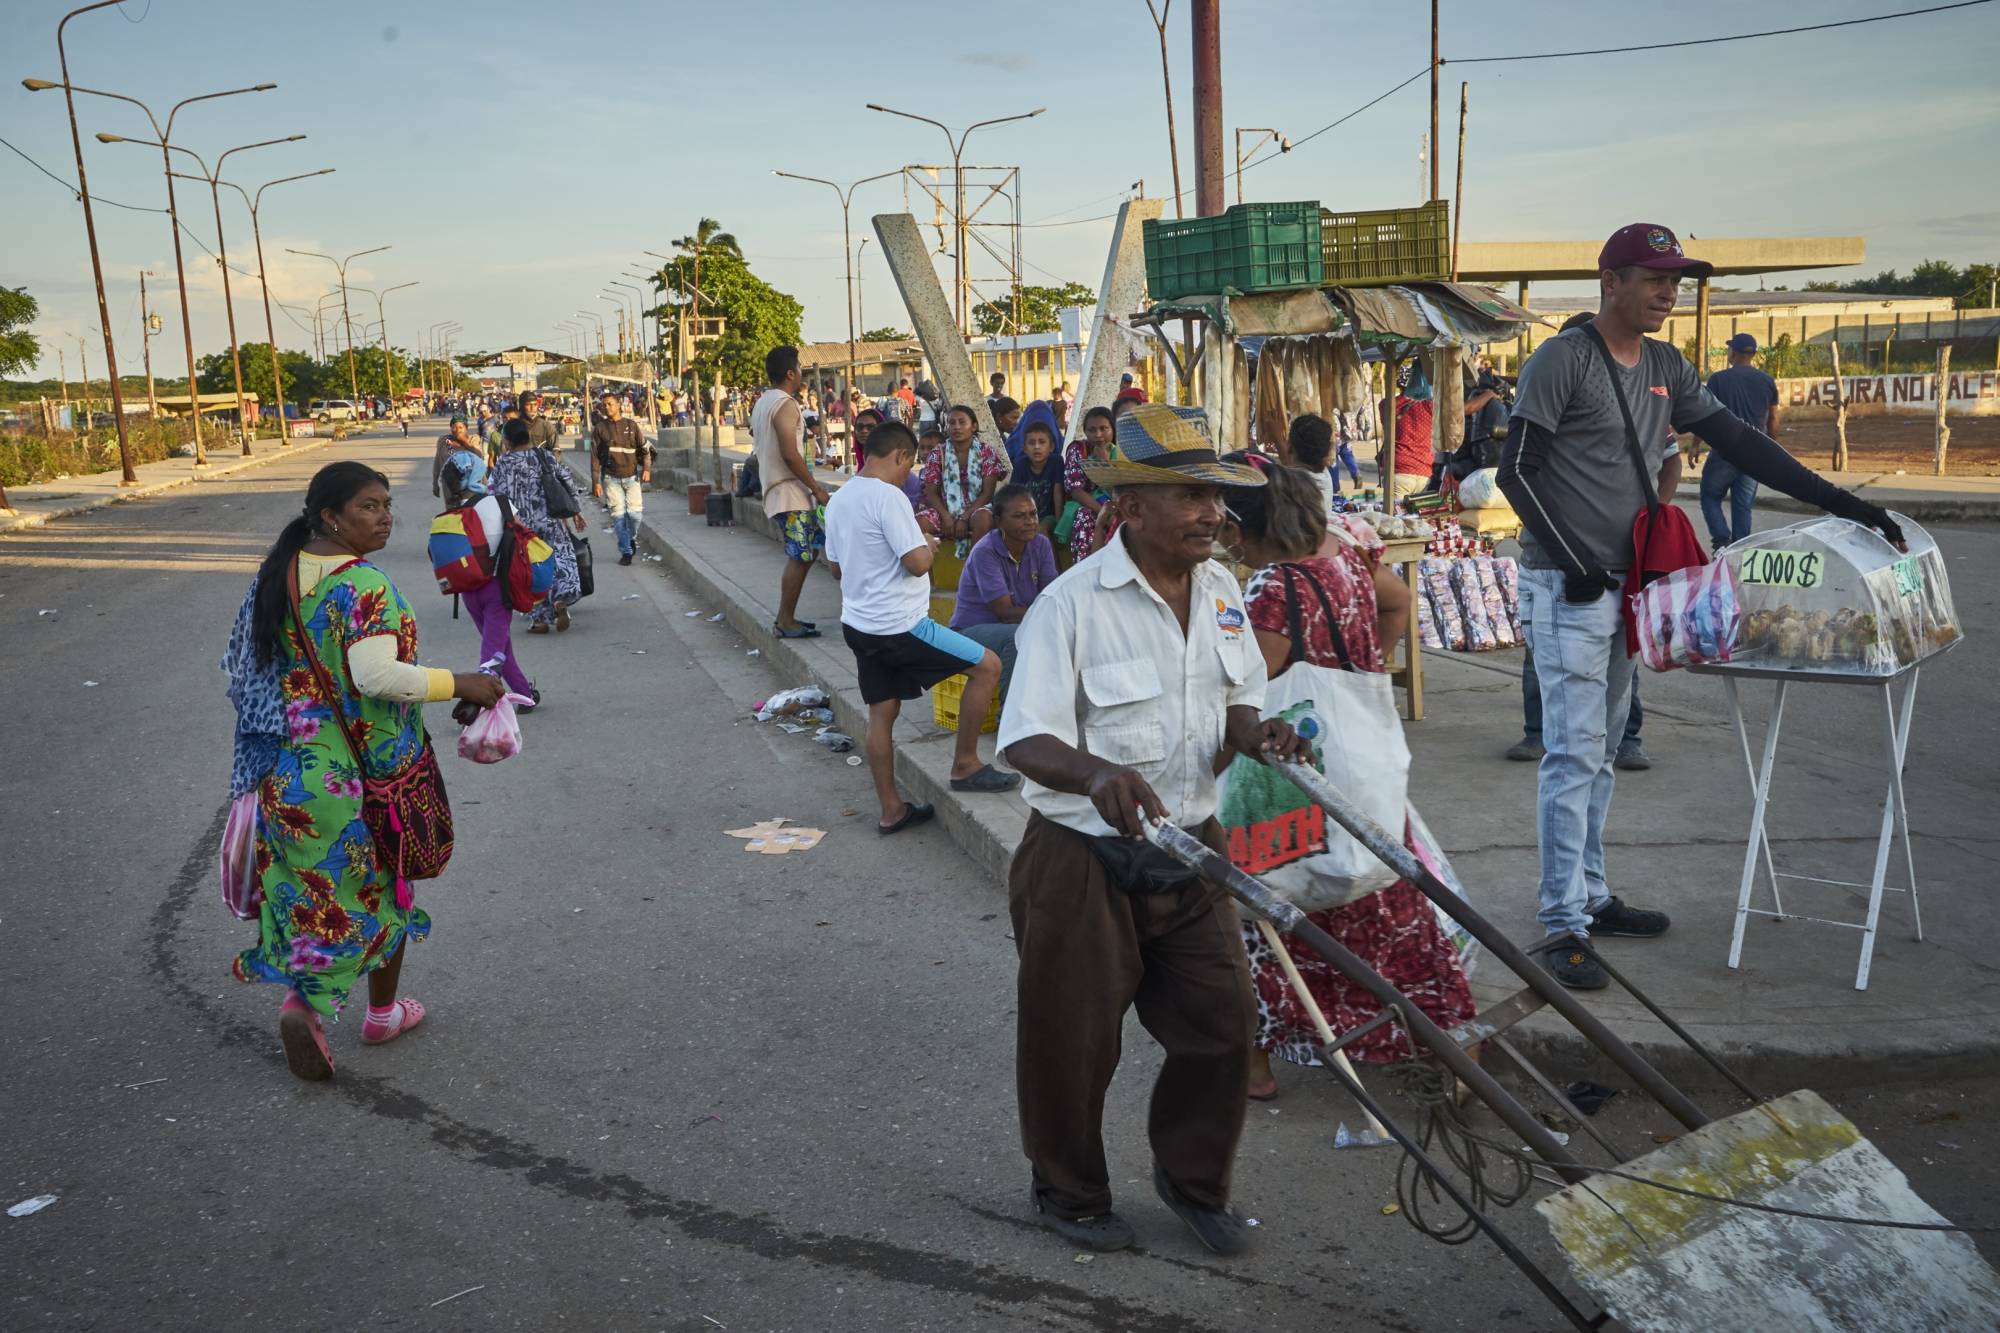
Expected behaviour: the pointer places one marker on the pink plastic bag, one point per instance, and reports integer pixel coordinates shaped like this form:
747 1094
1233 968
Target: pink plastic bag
495 734
242 894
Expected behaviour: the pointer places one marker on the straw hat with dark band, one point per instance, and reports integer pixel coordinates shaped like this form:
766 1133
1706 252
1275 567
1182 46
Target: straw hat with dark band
1162 445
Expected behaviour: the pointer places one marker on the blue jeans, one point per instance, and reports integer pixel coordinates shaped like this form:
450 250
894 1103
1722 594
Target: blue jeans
1720 478
1531 705
1000 638
1586 681
627 499
1344 458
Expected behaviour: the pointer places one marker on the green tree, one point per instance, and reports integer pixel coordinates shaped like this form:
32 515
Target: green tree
756 316
885 335
305 378
18 347
1038 306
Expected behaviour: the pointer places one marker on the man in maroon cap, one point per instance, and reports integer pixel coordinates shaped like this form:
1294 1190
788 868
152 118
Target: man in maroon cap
1569 469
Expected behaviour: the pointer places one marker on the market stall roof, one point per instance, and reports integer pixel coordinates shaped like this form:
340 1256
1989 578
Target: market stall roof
1420 314
516 356
882 351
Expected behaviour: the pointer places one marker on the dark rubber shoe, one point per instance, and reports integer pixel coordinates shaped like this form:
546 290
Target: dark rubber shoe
1103 1233
1615 918
1222 1231
987 779
1526 751
1577 970
1632 758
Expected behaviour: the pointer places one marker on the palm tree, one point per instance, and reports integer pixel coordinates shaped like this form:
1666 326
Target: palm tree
709 235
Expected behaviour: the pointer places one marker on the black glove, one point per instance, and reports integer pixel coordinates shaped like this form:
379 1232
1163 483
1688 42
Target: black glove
1583 589
1848 505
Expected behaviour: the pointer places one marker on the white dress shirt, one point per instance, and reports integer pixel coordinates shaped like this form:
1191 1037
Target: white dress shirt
1101 664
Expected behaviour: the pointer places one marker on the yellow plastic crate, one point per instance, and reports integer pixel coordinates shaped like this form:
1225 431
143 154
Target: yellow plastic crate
944 706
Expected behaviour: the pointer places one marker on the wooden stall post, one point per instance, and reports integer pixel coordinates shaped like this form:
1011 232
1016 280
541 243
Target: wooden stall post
1839 415
1943 431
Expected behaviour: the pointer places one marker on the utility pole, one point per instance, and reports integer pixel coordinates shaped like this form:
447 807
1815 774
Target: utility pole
1458 190
62 374
1167 86
1210 181
147 331
83 378
1434 99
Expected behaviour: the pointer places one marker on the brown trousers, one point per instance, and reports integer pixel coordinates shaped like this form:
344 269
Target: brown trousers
1089 951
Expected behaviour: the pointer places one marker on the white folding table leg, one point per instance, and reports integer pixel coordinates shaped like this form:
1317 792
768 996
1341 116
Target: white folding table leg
1885 839
1902 806
1750 769
1763 789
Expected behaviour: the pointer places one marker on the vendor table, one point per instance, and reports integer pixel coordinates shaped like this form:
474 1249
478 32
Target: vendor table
1410 675
1895 813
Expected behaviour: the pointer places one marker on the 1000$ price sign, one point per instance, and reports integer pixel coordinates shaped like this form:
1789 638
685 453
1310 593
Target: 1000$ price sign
1774 567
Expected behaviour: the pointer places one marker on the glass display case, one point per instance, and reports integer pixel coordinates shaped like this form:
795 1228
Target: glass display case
1829 595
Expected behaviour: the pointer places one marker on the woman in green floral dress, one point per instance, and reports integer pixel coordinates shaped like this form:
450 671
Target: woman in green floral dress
331 913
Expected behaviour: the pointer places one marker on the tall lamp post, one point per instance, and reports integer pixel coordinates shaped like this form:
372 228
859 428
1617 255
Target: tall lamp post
592 314
860 288
340 265
617 299
647 297
164 134
1284 146
264 281
388 375
960 266
638 308
222 254
845 193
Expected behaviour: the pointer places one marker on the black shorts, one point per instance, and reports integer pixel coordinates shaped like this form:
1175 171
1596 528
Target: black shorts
903 666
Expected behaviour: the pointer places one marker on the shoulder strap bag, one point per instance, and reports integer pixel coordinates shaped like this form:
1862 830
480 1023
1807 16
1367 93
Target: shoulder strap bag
1663 540
409 814
556 497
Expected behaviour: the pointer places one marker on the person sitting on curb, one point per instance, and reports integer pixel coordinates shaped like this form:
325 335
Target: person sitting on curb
1007 568
1138 671
883 561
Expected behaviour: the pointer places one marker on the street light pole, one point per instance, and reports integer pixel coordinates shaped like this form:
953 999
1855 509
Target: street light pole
346 318
146 342
222 259
860 288
264 282
1284 146
846 196
388 376
638 310
128 477
165 137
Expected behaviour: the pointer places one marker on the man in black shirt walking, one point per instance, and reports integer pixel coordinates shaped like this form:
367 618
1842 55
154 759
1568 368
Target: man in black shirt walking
621 463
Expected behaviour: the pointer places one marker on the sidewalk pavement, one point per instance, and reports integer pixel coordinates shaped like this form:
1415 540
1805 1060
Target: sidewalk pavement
1787 1018
36 504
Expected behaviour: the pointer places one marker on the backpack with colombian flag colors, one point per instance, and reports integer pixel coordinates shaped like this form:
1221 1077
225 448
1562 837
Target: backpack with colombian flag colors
523 562
458 550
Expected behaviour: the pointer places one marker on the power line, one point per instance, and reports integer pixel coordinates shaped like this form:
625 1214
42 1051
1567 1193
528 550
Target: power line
1711 41
1343 120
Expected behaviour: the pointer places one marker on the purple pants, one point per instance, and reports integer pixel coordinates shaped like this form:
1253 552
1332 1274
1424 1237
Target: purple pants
487 605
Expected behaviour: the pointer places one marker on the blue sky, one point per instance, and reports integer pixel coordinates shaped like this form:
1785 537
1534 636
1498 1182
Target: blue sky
517 156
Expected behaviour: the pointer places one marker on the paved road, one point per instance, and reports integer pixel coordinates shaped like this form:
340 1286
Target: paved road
665 1084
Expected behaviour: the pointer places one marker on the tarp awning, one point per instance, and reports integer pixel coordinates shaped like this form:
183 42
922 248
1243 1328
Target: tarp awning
1420 314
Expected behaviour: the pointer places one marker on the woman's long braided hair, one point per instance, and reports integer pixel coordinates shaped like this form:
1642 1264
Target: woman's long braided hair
331 488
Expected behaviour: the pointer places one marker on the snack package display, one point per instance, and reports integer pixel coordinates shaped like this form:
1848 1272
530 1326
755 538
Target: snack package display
1496 605
1464 579
1691 616
1829 595
1435 576
1427 630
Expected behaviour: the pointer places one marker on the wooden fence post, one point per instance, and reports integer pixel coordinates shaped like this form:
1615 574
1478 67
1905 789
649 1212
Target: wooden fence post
1839 415
1943 431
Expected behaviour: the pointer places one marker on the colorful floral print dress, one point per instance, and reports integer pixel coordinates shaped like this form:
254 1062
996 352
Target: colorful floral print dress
329 913
1394 931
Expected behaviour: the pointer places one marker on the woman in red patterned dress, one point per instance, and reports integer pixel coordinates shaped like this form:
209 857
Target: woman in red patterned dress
1273 529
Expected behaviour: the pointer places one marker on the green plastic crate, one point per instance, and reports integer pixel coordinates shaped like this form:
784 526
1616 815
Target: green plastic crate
1386 245
1250 247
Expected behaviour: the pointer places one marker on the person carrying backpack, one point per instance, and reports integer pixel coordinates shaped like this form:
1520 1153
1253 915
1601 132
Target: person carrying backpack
486 601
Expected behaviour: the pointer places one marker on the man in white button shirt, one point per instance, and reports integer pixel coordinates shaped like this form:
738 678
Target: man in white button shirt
1135 670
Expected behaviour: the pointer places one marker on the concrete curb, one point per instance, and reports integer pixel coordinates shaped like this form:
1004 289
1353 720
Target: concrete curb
20 522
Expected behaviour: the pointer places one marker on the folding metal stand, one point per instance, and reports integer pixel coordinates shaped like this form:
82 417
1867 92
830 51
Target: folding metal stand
1895 812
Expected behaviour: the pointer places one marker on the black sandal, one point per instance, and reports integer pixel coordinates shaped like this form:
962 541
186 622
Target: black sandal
914 813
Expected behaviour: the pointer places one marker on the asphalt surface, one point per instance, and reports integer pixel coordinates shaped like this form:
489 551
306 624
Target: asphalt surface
664 1084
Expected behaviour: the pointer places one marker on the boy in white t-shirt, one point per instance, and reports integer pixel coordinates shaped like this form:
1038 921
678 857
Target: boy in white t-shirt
883 561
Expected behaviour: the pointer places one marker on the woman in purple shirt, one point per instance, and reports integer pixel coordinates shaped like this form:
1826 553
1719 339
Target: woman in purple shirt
1004 572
